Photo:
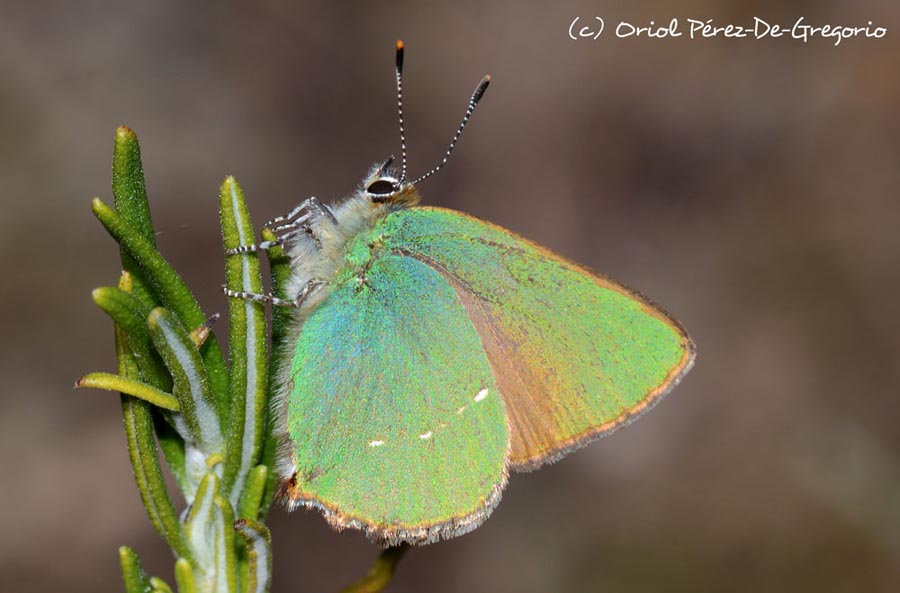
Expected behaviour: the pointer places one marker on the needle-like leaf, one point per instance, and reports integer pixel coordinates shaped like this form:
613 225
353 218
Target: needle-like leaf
259 554
130 199
200 525
136 580
159 585
184 576
251 500
226 551
130 313
171 291
190 380
279 264
247 343
145 460
131 387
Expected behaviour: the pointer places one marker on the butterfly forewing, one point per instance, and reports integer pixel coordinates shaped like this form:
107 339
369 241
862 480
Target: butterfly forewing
395 420
575 355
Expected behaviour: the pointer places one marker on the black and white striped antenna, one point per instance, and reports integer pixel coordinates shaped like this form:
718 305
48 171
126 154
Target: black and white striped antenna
400 109
470 108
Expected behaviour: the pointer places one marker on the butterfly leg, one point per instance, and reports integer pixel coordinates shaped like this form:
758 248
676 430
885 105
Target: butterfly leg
320 210
268 297
311 204
309 222
294 225
286 217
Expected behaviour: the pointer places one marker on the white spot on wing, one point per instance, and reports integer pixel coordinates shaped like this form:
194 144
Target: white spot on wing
481 395
425 435
376 443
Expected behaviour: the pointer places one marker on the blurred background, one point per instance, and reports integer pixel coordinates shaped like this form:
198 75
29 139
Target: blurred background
751 187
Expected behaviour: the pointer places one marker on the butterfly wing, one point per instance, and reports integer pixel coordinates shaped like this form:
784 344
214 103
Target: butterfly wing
575 355
394 416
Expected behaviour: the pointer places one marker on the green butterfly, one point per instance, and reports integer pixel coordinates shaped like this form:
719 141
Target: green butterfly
432 352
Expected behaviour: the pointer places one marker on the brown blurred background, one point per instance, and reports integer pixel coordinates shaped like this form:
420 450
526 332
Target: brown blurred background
751 187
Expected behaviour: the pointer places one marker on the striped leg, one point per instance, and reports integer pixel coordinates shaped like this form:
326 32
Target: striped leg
293 225
297 302
286 217
311 205
319 209
265 245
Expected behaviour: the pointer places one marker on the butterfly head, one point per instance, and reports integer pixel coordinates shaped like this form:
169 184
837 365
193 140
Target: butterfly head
384 185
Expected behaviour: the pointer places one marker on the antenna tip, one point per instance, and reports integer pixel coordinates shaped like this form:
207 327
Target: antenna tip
399 55
482 86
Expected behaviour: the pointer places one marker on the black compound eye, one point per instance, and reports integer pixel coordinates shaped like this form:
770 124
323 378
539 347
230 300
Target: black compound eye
382 187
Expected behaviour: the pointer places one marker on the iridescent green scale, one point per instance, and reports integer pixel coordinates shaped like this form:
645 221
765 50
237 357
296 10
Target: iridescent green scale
387 424
448 351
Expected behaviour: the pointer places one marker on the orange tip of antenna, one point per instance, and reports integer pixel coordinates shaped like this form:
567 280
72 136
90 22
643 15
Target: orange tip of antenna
487 77
399 44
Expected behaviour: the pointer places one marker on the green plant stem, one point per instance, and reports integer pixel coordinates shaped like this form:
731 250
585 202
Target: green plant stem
381 573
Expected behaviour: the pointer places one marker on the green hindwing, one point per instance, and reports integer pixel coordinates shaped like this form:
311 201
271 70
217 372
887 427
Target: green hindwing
575 355
395 419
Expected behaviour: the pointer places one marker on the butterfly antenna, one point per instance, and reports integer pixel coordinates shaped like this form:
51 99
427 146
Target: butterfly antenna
400 109
476 97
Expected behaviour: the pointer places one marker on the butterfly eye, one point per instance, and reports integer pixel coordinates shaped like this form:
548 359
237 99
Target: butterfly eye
382 187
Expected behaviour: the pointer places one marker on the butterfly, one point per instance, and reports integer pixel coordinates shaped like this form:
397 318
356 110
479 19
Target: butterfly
431 353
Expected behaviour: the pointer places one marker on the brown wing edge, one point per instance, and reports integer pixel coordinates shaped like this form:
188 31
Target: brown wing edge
292 497
674 377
